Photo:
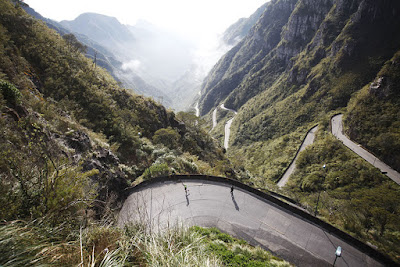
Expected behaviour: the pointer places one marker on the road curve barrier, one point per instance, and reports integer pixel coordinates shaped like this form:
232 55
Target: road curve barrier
296 211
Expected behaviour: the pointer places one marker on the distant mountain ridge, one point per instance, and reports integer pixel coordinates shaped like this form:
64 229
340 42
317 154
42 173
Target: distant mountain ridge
300 61
105 30
104 56
149 60
152 58
237 31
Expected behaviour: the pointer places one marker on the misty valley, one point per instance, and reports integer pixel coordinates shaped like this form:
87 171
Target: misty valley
274 143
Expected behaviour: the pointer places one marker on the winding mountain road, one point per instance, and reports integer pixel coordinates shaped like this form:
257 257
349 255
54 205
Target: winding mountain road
228 127
197 110
337 130
214 118
249 214
308 140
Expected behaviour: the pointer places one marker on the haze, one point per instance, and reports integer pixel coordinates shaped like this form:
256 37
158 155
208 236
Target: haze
192 18
179 47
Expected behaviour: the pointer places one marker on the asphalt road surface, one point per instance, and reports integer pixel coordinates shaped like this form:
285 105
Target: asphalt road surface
307 141
337 130
214 118
228 127
197 109
241 214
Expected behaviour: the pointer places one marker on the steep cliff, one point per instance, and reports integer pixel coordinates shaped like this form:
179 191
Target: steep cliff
65 120
302 59
237 31
303 62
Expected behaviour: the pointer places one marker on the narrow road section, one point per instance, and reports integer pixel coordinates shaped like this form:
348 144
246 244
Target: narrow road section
228 127
243 214
214 118
337 130
197 109
308 140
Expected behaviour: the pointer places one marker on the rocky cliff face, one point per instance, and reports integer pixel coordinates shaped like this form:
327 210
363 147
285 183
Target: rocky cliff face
235 66
303 60
237 31
303 43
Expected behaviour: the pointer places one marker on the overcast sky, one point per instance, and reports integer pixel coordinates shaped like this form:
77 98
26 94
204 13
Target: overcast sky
191 17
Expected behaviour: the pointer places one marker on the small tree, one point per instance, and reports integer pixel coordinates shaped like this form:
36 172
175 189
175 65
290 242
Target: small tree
167 136
73 43
10 93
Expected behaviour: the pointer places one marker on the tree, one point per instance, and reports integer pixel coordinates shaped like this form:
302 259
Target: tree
167 136
377 206
73 43
10 93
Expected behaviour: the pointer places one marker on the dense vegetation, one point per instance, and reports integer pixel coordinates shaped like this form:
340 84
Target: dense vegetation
234 252
348 192
374 113
303 62
132 246
72 141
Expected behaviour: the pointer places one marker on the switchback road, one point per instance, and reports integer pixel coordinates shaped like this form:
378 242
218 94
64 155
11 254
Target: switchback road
228 127
293 235
337 130
308 140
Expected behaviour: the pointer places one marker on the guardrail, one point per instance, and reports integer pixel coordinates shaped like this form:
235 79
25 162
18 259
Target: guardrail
268 197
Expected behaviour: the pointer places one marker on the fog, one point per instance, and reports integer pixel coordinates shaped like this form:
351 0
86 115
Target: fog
166 47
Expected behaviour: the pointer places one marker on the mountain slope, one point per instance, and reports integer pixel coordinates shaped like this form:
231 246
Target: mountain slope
70 132
102 55
302 58
303 62
237 31
102 29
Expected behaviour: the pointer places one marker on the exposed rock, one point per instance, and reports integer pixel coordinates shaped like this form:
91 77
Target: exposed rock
21 110
380 88
106 156
13 114
298 76
79 141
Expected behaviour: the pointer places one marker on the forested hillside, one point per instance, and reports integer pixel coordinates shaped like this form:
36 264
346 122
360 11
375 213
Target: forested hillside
302 62
72 141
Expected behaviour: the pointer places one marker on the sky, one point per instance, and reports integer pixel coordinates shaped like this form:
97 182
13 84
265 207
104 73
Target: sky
189 17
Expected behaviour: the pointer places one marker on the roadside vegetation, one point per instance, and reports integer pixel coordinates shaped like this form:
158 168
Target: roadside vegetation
235 252
327 71
349 193
72 141
100 245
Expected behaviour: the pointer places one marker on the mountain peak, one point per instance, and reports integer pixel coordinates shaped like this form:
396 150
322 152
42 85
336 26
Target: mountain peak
90 16
100 28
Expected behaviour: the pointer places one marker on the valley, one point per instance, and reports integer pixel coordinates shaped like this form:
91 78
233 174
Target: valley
295 109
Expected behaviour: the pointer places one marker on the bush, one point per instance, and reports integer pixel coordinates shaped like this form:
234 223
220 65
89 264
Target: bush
10 93
167 136
156 170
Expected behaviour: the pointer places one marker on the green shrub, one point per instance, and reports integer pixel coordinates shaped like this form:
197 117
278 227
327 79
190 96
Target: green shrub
156 170
10 93
167 136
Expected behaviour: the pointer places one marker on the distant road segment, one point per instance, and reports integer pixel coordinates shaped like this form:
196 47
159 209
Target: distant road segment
228 127
308 140
214 118
337 130
262 220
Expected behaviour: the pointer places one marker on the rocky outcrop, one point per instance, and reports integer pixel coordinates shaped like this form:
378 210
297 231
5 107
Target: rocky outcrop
236 65
236 32
292 36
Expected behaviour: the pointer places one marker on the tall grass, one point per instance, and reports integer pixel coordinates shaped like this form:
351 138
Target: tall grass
32 244
176 246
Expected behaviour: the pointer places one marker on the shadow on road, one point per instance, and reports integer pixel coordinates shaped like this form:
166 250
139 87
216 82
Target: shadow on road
234 201
187 199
